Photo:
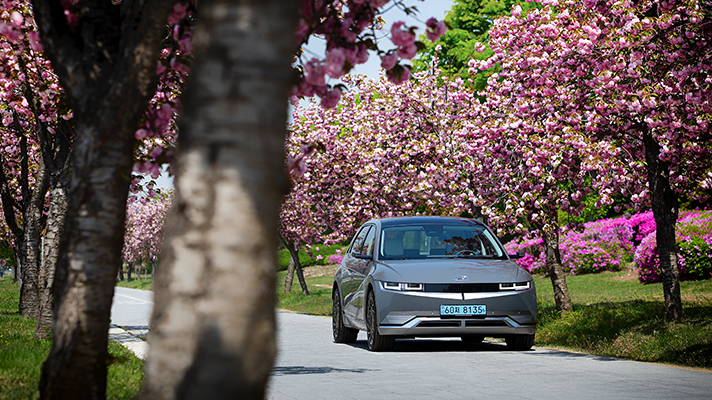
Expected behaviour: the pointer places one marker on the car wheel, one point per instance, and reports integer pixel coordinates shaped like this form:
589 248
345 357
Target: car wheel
472 339
376 342
520 342
342 334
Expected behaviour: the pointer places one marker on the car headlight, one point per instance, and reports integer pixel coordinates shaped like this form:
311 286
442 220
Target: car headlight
515 285
414 287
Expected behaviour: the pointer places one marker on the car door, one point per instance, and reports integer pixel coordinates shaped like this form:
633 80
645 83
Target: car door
351 280
361 271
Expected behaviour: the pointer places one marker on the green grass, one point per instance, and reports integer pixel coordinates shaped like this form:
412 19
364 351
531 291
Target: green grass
21 356
143 283
612 317
625 319
317 303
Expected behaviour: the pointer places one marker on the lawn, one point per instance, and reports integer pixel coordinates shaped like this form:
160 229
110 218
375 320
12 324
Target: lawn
21 356
613 316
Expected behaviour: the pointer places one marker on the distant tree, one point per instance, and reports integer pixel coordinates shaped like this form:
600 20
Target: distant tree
467 38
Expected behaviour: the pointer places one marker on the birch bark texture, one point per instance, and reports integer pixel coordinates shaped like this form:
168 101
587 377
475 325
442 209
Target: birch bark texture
213 325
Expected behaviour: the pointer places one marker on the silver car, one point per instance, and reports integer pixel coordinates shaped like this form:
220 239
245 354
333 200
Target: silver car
431 276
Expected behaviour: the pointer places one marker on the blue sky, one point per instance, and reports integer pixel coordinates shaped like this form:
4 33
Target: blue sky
426 9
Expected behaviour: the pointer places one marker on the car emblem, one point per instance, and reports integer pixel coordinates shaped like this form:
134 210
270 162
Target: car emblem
460 278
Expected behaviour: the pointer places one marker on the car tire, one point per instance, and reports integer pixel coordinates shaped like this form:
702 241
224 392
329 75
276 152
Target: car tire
376 341
520 342
472 339
342 334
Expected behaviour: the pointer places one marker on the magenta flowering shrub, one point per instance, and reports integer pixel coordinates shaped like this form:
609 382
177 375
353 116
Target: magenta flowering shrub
334 259
601 246
694 241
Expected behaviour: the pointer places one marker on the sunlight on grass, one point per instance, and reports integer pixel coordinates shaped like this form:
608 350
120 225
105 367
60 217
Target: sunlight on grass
21 357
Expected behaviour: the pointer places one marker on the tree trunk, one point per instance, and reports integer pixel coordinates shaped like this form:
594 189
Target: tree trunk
666 208
107 66
54 231
32 230
300 272
129 268
296 265
556 272
213 326
289 278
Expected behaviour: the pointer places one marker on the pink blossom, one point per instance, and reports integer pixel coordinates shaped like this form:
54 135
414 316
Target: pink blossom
178 13
331 98
434 29
335 59
379 3
186 45
398 75
160 68
408 52
389 61
314 72
10 32
401 37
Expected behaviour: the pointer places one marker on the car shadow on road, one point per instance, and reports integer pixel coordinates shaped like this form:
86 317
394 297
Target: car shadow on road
437 346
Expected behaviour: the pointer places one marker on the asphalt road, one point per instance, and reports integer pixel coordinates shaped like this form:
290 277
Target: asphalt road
311 366
131 309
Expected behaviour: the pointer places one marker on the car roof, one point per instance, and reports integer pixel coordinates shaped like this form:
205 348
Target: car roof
415 220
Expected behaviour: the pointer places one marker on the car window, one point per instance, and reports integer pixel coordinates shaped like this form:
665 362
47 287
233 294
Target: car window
357 243
438 240
368 242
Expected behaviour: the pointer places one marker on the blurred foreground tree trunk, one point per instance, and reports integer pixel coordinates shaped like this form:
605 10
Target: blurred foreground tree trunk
213 325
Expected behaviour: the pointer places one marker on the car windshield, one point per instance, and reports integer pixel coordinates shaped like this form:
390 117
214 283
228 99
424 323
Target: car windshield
434 240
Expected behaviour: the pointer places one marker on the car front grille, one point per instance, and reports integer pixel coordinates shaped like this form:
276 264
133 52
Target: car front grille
485 323
461 287
439 324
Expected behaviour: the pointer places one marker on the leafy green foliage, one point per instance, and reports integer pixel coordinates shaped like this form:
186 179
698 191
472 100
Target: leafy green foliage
7 254
469 22
317 255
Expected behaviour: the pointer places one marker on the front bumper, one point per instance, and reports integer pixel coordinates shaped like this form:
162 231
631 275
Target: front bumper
417 314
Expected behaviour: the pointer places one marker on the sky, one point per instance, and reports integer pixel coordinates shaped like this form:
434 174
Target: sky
426 9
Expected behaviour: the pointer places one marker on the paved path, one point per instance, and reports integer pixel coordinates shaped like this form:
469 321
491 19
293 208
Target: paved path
130 313
311 366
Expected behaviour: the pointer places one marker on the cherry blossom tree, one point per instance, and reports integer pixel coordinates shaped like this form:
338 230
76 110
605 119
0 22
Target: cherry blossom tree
632 76
388 149
145 218
36 130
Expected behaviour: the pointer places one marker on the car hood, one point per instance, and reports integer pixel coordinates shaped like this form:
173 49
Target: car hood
446 270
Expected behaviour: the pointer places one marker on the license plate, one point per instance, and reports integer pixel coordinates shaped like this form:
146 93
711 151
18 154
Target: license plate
463 310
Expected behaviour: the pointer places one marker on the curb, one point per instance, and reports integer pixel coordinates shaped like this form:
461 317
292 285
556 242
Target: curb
130 339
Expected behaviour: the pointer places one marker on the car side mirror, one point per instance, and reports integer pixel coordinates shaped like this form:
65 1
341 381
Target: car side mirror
517 256
363 256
